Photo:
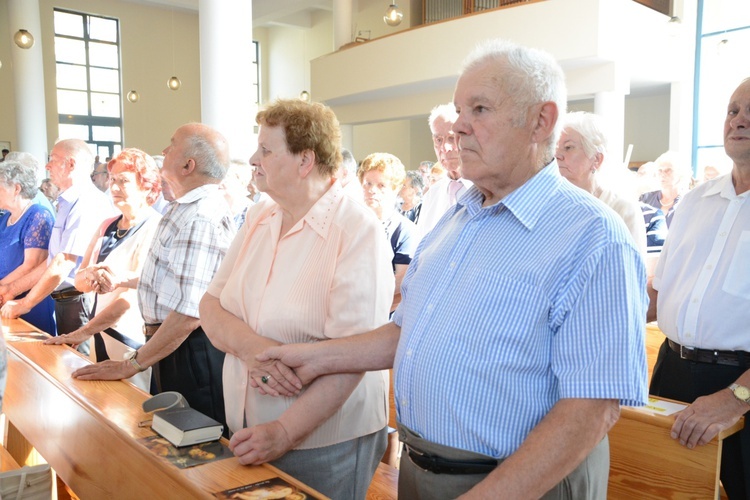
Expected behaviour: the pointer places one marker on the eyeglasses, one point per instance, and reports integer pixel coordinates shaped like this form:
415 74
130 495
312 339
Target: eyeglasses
94 174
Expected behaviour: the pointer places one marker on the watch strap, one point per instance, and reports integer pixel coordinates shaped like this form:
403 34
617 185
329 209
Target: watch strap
134 362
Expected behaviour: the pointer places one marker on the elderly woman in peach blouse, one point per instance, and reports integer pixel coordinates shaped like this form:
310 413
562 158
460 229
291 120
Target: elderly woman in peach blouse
308 264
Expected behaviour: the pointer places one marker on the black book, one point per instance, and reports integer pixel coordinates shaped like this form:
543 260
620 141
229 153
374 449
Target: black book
186 426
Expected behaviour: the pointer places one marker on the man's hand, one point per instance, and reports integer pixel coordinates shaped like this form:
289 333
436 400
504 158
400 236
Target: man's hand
261 443
72 338
299 359
274 378
106 370
703 420
14 308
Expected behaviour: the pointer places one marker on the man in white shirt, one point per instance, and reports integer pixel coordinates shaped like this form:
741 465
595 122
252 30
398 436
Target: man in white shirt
701 296
444 193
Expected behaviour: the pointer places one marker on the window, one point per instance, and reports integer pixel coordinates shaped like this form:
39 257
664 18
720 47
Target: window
256 73
89 104
720 65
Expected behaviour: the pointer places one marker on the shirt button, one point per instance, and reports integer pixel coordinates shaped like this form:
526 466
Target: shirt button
429 307
409 352
453 264
709 266
694 301
723 234
403 401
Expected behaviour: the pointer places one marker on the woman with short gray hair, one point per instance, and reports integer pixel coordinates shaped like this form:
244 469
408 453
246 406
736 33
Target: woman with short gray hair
25 229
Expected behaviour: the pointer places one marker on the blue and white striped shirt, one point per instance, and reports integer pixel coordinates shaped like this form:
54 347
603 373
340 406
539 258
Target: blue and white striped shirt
509 308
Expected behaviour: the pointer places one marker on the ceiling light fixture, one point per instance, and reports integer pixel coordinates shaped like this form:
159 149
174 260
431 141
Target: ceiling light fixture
133 96
23 39
305 96
174 83
393 15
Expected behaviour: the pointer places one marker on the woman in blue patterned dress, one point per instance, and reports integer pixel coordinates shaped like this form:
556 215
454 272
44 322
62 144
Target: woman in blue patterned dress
25 229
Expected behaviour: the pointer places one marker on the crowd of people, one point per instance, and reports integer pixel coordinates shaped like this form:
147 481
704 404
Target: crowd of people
507 284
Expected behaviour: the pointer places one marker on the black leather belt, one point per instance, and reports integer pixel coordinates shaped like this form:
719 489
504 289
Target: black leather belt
728 358
440 465
66 293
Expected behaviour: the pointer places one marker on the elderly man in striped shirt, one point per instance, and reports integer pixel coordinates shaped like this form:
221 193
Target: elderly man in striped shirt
521 329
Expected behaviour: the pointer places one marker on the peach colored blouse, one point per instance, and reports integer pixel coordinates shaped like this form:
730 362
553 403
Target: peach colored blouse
330 276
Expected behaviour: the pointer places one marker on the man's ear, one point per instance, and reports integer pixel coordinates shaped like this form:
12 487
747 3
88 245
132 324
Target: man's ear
307 162
189 167
544 121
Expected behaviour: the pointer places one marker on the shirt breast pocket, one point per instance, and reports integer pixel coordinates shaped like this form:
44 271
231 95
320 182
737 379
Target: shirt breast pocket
737 281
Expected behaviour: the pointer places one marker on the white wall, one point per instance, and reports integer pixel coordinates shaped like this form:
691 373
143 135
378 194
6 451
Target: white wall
646 123
288 52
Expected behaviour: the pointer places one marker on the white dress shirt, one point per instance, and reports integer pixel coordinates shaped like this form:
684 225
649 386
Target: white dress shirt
703 275
437 201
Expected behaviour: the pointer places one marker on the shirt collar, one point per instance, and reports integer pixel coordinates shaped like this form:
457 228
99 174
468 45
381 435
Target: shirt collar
70 195
723 186
320 215
198 193
525 203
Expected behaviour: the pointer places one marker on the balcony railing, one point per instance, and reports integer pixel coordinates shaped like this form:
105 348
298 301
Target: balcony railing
438 10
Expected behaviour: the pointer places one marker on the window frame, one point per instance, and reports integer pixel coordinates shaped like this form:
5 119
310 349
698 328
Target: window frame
89 120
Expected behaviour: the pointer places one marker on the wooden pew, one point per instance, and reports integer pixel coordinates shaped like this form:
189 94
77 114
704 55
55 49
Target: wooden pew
7 462
88 430
646 463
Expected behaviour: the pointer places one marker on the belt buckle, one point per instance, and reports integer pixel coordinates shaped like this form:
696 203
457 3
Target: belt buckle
687 352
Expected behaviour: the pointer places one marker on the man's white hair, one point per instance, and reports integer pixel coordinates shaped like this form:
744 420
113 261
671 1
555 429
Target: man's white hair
530 76
445 111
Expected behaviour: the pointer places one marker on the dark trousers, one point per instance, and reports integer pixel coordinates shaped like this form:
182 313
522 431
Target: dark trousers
71 314
194 370
686 381
588 481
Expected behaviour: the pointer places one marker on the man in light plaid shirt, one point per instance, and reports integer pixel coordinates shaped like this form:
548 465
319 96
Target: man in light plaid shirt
190 243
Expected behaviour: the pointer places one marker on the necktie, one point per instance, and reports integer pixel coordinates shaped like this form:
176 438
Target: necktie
453 188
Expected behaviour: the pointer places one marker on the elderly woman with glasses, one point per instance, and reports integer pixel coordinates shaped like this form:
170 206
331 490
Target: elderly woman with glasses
112 264
25 230
308 264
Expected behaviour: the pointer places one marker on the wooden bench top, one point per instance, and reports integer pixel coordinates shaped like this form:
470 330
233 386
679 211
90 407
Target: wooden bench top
88 430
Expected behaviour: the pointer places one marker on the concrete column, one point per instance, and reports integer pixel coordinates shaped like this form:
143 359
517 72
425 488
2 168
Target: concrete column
342 23
611 107
347 137
226 38
28 81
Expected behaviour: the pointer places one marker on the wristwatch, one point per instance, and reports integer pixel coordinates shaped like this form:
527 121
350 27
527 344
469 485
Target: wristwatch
131 355
740 392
